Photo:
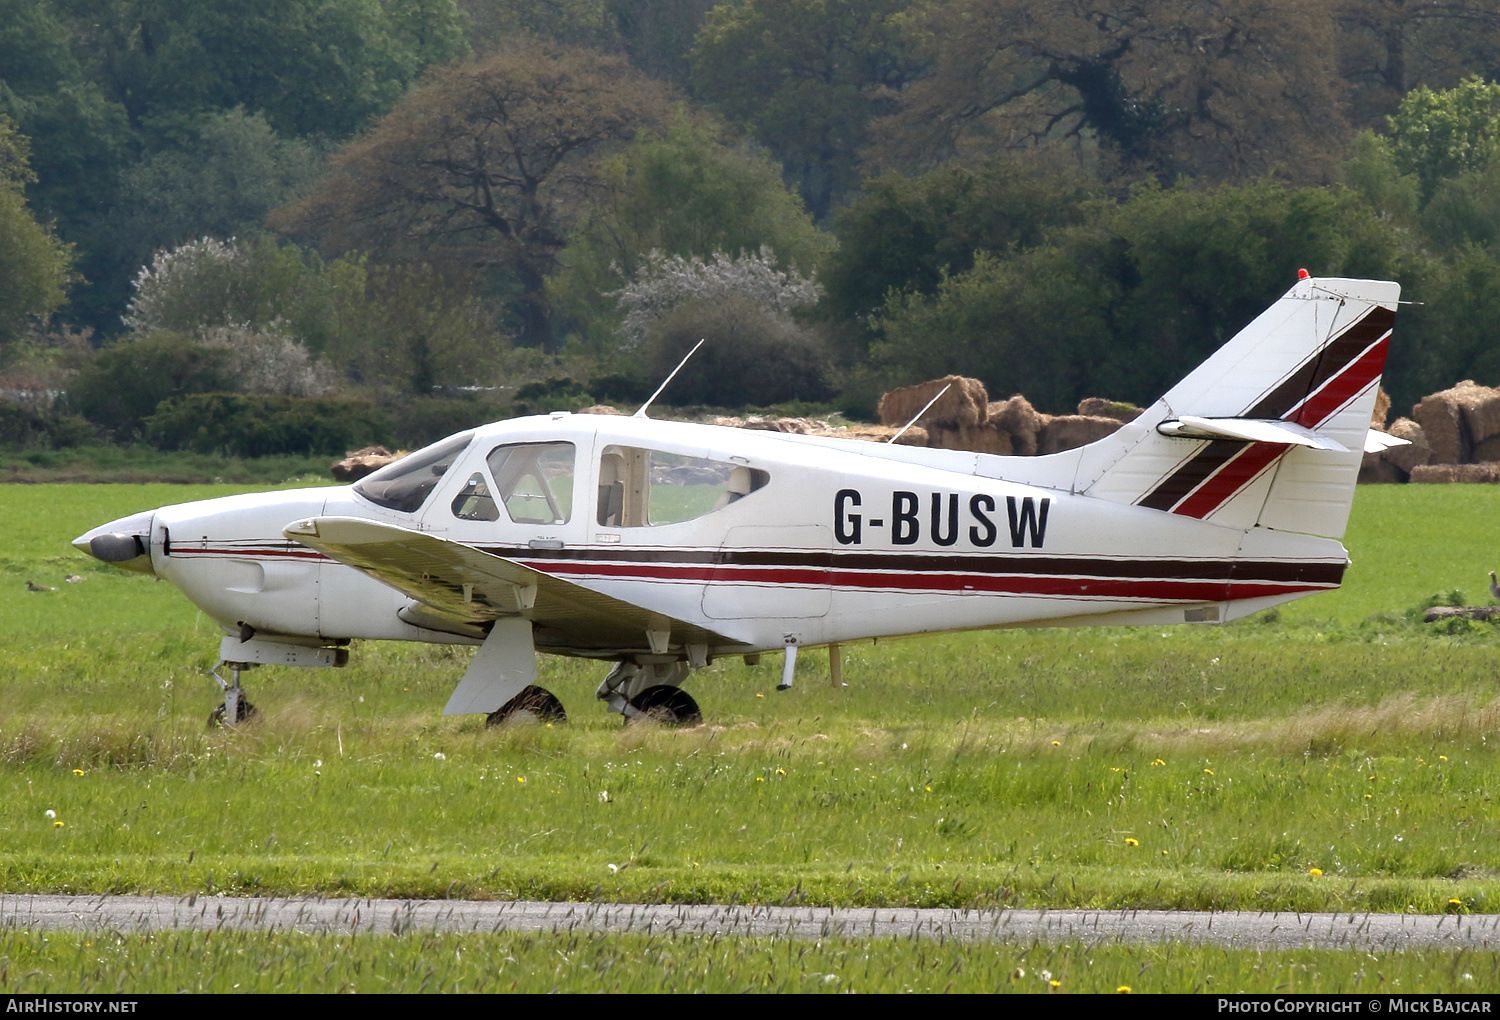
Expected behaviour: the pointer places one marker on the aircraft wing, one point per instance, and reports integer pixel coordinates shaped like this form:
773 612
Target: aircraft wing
468 586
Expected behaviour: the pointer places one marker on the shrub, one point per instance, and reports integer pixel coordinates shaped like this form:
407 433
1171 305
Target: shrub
244 425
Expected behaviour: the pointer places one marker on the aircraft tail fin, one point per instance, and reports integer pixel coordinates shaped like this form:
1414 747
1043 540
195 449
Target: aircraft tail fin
1271 429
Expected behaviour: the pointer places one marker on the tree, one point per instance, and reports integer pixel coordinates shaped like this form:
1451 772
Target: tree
806 77
1386 48
220 181
688 191
1167 87
487 165
1123 304
906 234
310 67
1440 135
35 267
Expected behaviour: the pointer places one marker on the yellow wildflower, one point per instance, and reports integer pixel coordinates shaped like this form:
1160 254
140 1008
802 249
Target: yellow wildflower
781 772
1057 743
1315 871
520 779
1054 983
57 824
1123 990
1158 762
78 772
1131 841
1209 771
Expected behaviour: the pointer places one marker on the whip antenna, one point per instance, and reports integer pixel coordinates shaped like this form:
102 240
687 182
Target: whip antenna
914 420
642 412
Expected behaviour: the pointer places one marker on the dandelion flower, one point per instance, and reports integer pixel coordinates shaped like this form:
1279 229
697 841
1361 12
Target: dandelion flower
781 772
1315 871
57 824
78 772
1054 983
1057 743
1158 762
1209 771
1164 853
760 779
760 695
1442 757
1131 841
1123 990
929 789
520 779
1455 902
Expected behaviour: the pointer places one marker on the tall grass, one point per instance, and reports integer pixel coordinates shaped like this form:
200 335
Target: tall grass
1336 755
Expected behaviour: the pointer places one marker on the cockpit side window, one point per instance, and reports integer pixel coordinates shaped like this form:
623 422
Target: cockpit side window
534 481
649 488
405 484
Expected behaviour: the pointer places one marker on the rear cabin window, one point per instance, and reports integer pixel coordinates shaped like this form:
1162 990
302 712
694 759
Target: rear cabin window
648 488
533 482
405 484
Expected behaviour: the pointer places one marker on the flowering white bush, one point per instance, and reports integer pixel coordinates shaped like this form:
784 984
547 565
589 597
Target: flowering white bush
270 361
185 287
664 282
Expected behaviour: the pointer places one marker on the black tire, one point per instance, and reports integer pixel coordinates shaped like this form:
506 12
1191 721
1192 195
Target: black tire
540 703
246 712
671 706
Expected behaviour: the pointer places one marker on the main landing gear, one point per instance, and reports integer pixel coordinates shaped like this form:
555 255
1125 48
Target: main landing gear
533 704
236 708
651 691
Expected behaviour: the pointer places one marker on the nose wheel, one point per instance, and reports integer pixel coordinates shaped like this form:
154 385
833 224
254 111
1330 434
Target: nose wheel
236 708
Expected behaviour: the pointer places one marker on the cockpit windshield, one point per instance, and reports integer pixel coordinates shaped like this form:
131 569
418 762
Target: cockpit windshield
405 484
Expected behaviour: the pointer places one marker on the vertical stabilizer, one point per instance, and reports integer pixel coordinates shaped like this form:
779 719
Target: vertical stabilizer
1312 361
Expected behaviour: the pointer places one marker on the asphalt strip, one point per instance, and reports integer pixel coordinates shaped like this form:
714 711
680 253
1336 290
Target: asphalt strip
380 916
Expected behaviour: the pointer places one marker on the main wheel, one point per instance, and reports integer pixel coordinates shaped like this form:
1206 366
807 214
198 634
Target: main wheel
670 705
533 704
246 712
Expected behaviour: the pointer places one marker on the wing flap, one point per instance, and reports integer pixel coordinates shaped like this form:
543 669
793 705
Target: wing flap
473 587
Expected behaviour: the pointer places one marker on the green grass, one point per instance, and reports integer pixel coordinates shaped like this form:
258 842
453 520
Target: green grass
967 770
109 962
143 464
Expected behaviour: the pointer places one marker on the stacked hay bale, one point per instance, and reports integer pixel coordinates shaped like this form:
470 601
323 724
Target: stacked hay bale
1454 436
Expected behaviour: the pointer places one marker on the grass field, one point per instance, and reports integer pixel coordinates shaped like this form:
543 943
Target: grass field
1335 755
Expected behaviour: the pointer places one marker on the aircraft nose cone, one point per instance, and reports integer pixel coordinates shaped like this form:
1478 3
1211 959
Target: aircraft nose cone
125 542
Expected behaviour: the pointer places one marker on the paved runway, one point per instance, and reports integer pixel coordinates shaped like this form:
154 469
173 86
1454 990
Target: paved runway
1269 930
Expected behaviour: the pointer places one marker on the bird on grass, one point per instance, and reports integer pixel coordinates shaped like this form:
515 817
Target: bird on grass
33 586
1494 588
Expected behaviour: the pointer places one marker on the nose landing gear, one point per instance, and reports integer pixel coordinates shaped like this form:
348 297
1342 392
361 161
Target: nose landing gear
236 708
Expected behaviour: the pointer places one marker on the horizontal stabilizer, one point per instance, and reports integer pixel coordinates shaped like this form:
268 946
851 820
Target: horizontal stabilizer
1375 441
1248 430
471 586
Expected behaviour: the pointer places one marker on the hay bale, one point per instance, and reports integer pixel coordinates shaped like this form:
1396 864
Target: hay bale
360 463
1404 458
1442 422
973 438
1382 410
1019 420
965 403
1098 407
1376 470
1070 431
914 436
1450 474
1457 419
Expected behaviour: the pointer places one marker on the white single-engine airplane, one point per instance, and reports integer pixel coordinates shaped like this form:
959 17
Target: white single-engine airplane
660 545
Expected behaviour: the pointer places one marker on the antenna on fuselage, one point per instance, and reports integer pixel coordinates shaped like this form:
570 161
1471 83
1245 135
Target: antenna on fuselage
919 414
642 412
